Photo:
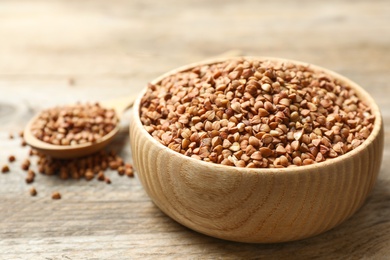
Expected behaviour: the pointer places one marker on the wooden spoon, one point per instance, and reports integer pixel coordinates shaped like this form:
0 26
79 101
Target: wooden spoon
73 151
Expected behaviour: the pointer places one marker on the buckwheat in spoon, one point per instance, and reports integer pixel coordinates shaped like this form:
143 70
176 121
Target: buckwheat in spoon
76 130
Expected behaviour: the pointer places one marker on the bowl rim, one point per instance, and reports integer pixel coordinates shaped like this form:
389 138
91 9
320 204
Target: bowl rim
361 93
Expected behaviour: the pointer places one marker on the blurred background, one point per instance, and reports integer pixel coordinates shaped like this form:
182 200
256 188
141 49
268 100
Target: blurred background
121 44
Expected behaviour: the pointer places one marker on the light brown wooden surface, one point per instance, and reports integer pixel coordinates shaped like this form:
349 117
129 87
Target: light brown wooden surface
56 52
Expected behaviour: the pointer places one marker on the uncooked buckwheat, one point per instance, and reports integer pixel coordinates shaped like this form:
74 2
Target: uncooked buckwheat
256 114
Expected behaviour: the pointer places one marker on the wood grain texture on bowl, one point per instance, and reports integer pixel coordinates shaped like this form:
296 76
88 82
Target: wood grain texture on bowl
258 205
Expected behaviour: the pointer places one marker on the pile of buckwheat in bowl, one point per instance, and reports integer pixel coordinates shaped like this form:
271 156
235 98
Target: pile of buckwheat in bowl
256 114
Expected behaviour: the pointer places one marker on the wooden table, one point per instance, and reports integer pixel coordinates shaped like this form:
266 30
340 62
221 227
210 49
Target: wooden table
58 52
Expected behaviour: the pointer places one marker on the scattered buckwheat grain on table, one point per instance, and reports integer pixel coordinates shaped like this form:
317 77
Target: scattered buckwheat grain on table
72 125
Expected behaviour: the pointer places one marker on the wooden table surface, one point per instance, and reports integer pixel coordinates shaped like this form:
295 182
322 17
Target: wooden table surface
61 51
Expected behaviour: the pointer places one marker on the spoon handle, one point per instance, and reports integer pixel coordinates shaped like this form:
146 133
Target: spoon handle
120 104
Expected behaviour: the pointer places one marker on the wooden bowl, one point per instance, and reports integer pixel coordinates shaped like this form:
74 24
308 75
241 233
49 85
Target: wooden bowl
257 205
